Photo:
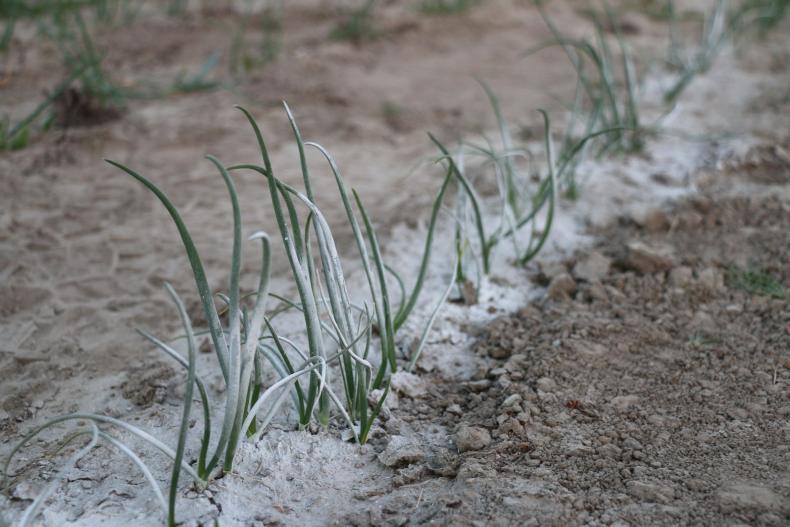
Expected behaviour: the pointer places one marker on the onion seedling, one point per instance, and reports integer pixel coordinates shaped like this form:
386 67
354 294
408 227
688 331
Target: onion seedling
355 370
616 107
717 27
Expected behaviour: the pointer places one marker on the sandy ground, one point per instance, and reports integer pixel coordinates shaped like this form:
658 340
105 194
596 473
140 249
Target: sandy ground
642 385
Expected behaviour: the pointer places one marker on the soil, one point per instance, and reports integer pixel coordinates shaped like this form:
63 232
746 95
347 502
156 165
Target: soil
644 398
633 375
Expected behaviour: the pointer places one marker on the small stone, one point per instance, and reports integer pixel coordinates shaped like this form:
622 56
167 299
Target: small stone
645 259
455 409
561 287
472 438
524 416
650 491
498 352
478 386
622 403
631 443
545 384
408 384
593 267
401 451
695 484
511 426
511 400
609 450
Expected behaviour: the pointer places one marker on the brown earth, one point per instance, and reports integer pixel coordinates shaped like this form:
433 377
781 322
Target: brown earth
646 396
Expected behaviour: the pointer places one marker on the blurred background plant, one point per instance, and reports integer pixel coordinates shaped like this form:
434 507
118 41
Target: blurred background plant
358 25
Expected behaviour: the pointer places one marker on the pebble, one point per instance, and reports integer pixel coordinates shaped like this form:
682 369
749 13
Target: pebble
478 386
498 352
511 426
546 384
455 409
561 287
609 450
632 443
646 259
695 484
472 438
511 400
593 267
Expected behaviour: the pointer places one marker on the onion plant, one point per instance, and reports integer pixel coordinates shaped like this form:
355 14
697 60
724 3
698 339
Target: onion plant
267 41
358 26
613 101
716 28
322 288
762 14
524 208
339 333
14 136
446 7
722 23
519 203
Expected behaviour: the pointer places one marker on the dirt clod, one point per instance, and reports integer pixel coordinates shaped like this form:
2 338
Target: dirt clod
401 451
592 267
472 438
646 259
